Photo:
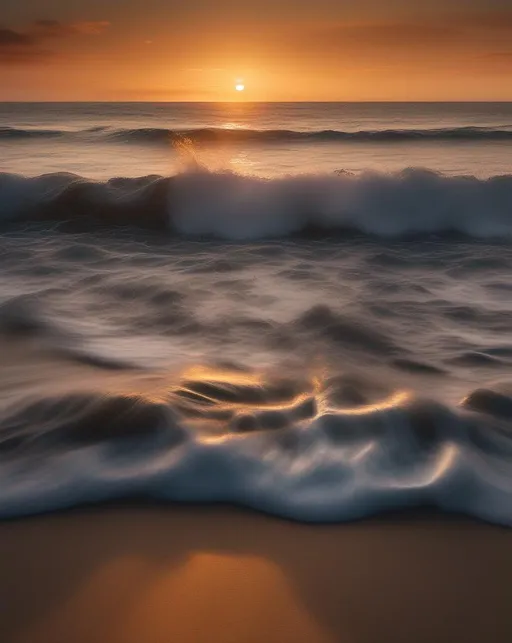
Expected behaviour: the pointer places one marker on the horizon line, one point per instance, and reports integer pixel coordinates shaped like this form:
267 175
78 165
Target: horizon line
238 102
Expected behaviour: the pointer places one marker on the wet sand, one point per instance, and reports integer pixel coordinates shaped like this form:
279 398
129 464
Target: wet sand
223 575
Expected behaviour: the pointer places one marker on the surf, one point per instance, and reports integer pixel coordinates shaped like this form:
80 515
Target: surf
205 204
216 135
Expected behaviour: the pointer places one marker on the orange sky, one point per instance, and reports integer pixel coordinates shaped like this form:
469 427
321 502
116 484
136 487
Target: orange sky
318 50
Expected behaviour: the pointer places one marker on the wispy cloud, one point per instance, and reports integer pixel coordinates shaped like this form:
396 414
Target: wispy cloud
500 55
20 47
448 29
56 29
488 20
11 38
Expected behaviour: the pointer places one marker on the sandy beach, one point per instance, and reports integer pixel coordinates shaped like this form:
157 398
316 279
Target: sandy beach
223 575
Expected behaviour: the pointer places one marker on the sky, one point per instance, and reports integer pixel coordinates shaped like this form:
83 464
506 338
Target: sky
281 50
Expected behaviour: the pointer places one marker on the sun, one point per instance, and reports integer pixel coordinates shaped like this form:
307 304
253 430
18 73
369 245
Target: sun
240 87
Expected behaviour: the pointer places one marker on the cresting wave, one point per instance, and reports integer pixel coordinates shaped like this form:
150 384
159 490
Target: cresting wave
225 205
246 135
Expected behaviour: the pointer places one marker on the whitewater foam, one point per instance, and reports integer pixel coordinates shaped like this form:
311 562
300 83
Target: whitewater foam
300 460
357 411
237 207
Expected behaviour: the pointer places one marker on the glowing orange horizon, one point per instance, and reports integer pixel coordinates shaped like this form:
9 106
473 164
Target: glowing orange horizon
324 53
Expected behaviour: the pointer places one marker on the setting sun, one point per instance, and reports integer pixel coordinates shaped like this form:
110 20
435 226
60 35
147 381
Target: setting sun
240 87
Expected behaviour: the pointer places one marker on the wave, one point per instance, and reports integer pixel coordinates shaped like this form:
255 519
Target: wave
209 135
243 135
14 133
335 440
224 205
329 450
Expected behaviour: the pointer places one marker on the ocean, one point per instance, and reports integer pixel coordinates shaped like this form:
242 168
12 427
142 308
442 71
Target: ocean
302 308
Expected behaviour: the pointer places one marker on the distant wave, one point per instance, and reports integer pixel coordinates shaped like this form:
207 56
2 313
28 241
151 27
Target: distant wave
14 133
225 205
246 135
212 135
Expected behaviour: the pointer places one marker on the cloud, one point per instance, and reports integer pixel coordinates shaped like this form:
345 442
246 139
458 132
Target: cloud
10 38
389 34
486 20
498 62
19 47
441 31
500 55
90 28
26 46
56 29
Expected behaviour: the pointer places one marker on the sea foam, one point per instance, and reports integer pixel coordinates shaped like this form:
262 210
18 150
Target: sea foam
225 205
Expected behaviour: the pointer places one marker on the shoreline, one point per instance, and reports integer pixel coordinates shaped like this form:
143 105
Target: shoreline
188 574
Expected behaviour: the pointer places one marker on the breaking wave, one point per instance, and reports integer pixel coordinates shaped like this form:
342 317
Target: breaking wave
246 135
335 440
328 450
225 205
